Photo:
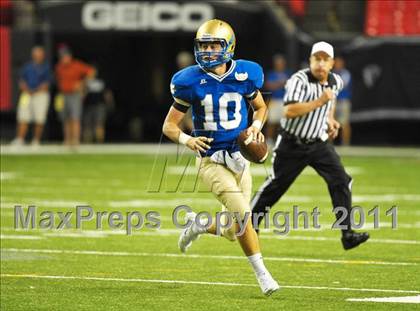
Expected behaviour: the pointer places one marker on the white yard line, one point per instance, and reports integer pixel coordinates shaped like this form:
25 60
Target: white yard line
199 256
406 299
324 226
136 192
313 238
268 235
379 198
409 213
369 225
63 277
151 203
147 149
256 170
8 202
42 203
9 175
20 237
162 150
170 203
91 234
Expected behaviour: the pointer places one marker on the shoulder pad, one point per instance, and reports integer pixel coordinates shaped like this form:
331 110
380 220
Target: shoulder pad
182 82
185 77
254 71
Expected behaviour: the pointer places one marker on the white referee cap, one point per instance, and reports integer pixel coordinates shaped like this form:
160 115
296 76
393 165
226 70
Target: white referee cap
323 46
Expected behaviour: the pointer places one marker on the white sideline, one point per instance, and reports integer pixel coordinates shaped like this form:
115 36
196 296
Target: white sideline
200 256
171 232
204 283
406 299
157 149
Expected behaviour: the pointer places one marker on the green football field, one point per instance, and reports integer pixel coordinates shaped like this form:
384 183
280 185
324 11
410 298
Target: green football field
95 268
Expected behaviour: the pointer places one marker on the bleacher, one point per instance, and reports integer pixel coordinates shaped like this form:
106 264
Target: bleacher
392 17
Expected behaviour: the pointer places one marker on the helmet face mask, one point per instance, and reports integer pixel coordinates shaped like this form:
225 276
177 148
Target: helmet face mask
208 58
208 35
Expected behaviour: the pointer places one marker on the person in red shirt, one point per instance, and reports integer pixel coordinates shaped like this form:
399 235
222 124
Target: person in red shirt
71 75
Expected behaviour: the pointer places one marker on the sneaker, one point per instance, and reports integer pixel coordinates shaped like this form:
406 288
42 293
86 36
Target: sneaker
189 234
353 239
17 142
267 284
35 144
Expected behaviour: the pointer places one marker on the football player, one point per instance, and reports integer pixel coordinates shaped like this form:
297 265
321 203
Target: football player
217 90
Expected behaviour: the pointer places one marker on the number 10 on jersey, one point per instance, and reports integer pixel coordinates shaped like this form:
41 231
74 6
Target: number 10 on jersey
222 113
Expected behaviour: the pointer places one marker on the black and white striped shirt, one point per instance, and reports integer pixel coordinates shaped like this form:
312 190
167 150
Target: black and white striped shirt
304 87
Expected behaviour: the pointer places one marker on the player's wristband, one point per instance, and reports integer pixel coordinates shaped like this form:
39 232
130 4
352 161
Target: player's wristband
257 124
183 138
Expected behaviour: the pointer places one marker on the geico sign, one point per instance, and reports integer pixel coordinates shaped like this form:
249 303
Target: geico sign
159 16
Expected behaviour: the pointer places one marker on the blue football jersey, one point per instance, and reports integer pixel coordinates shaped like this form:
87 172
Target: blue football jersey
218 103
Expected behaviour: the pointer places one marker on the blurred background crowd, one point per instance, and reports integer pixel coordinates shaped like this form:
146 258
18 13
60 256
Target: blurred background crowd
87 71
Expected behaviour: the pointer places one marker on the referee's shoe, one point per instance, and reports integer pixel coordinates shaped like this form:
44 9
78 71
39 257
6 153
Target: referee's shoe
352 239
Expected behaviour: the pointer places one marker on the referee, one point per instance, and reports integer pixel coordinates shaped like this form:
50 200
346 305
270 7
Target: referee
307 124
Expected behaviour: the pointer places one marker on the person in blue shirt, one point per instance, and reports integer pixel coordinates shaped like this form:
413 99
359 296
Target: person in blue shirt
34 100
275 82
343 106
219 90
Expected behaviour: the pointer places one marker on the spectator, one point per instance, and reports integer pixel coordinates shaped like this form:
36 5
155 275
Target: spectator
71 75
97 102
343 106
276 79
184 59
34 99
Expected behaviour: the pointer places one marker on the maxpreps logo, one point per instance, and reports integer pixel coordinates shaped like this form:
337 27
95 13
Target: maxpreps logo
158 16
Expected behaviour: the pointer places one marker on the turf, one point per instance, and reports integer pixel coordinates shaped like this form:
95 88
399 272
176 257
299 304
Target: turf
108 269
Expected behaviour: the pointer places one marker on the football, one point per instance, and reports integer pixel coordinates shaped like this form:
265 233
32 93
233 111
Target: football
252 150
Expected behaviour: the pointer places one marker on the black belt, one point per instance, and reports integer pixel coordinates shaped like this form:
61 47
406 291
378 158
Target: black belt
299 140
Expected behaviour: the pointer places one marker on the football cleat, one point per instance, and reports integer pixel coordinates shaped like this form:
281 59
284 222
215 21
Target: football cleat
189 234
267 284
352 239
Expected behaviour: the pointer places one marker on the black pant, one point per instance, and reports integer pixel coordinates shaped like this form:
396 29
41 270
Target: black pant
290 158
